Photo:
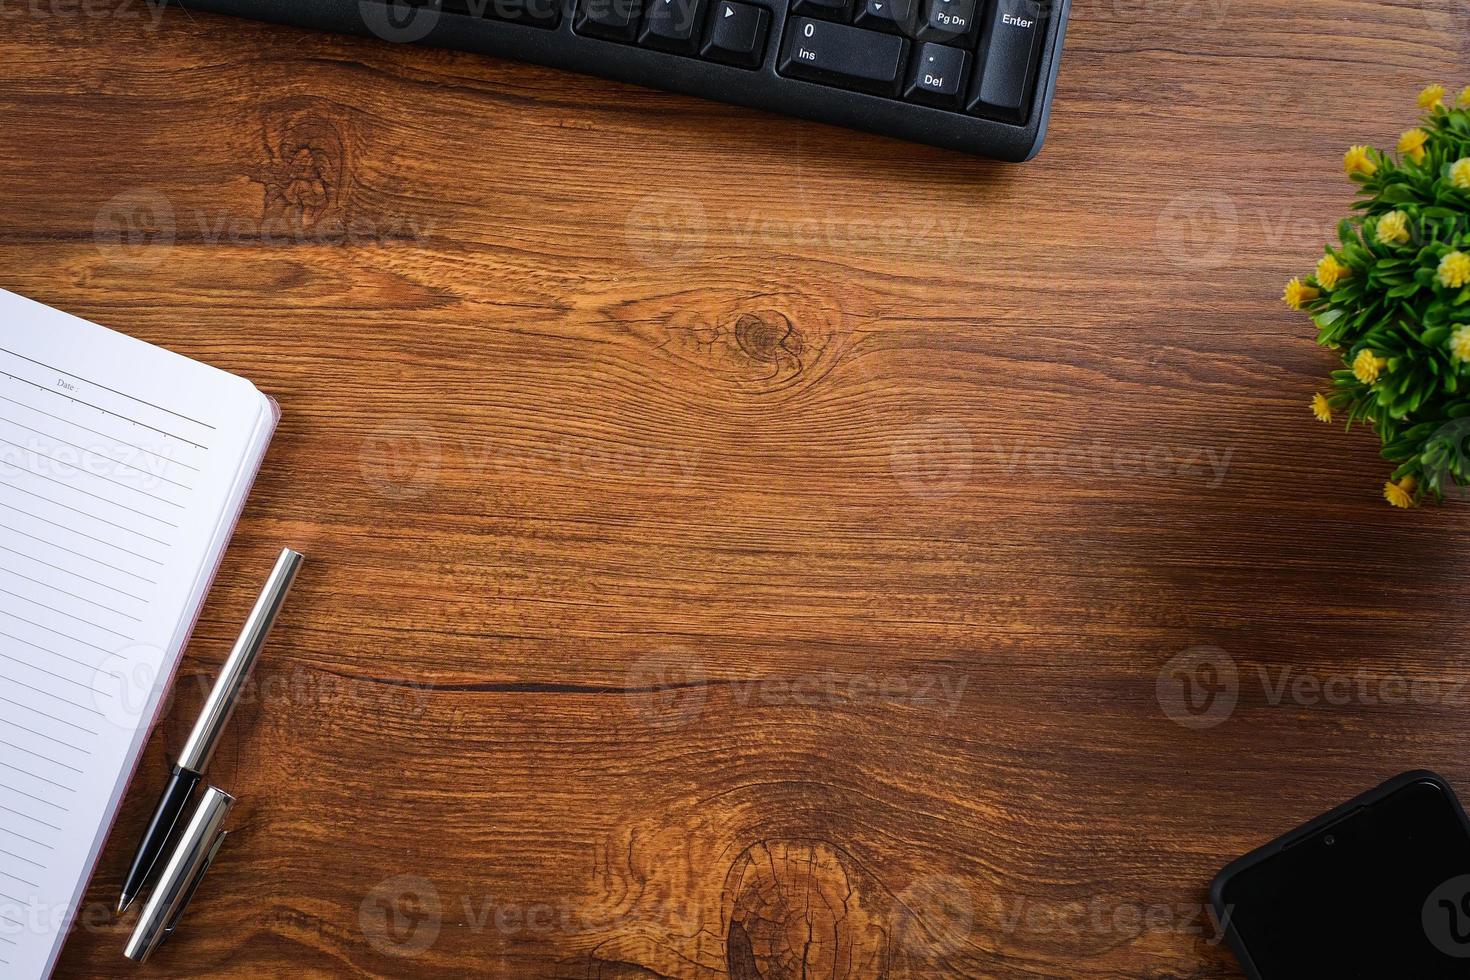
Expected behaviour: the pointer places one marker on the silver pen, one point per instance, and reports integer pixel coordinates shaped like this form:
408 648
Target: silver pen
189 772
181 876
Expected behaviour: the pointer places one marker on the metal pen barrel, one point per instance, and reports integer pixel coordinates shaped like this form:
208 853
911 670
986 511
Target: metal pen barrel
186 868
236 671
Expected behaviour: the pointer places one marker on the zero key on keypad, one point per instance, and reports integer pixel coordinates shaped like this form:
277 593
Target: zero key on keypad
849 57
737 34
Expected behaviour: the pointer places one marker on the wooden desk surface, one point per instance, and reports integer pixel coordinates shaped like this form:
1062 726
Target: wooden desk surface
745 547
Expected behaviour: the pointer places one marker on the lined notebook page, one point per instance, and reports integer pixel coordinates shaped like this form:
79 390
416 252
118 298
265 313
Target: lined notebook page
122 470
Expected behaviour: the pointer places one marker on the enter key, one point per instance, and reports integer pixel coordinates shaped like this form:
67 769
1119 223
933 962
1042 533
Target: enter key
1010 48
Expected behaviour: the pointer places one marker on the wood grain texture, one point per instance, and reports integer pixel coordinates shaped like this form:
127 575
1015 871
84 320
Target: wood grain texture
742 547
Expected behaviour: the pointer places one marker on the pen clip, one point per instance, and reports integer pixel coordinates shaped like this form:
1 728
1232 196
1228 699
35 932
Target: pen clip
168 930
191 859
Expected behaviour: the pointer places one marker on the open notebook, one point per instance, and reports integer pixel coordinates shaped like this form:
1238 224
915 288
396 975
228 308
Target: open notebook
123 469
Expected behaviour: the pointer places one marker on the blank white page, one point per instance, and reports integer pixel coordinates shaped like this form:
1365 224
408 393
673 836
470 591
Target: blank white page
122 471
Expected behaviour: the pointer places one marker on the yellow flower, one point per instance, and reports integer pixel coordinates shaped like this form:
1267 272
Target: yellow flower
1460 173
1298 292
1431 98
1454 270
1460 344
1400 494
1357 160
1320 408
1393 228
1330 272
1367 365
1411 144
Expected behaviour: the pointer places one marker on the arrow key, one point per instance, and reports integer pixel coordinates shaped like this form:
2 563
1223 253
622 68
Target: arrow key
888 15
737 33
672 25
826 9
615 20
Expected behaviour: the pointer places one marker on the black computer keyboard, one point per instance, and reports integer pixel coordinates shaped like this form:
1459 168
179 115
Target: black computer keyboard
974 75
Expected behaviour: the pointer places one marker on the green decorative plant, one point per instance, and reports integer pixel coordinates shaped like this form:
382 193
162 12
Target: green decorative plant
1393 296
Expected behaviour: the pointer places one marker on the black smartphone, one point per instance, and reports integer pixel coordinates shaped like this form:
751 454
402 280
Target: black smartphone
1379 887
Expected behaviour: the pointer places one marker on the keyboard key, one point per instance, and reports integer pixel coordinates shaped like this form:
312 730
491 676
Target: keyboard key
737 34
829 9
948 19
1010 50
616 20
888 15
850 57
672 25
534 13
938 75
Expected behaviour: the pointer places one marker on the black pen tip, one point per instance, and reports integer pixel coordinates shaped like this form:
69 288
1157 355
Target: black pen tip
123 903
